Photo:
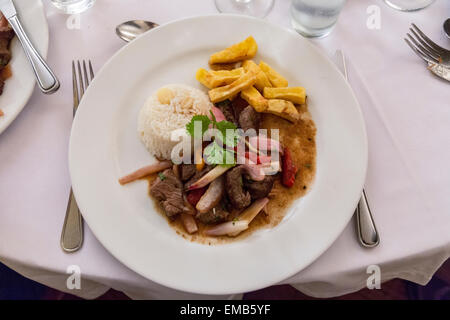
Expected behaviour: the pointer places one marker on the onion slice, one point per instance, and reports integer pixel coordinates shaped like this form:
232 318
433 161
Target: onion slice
212 196
216 172
189 223
255 171
218 114
263 143
188 207
251 212
227 228
145 171
233 228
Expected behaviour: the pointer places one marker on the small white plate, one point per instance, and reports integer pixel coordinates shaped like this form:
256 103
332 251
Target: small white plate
105 145
19 87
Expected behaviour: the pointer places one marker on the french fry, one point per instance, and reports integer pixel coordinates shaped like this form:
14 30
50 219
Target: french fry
275 78
224 66
226 92
213 79
255 99
262 80
240 51
283 108
296 95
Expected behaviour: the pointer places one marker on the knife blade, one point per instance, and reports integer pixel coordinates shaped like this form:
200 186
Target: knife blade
46 79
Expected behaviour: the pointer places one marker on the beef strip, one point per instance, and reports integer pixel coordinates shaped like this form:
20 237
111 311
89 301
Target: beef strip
215 215
6 34
168 190
249 119
238 197
5 54
187 171
259 189
227 110
238 105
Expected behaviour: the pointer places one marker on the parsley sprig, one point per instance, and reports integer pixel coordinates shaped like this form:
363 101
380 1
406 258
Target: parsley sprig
216 152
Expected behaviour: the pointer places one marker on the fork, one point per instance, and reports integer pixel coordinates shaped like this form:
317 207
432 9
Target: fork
426 49
72 232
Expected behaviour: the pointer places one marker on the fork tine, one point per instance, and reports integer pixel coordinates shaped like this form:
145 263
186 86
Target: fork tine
74 87
420 54
430 49
85 74
91 70
424 50
80 79
428 40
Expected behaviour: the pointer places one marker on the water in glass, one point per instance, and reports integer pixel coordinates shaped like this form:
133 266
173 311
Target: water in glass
409 5
315 18
73 6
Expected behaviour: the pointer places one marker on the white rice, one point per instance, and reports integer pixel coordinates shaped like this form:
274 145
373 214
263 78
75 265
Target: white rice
156 121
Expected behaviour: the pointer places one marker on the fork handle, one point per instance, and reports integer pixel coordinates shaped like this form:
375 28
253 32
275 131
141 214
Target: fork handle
367 231
47 81
72 232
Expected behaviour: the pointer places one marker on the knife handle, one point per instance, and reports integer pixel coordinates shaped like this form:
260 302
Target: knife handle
47 81
72 233
367 231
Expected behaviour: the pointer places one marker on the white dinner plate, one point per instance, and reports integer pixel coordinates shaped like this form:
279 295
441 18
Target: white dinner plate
19 87
104 145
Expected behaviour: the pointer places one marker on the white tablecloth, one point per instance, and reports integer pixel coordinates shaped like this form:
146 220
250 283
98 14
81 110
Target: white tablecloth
407 113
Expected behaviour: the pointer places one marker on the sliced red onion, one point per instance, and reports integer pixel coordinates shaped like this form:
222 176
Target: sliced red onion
263 143
212 196
218 114
231 228
209 177
251 212
255 171
189 223
145 171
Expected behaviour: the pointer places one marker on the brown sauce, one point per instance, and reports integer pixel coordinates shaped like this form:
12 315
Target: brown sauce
300 139
6 72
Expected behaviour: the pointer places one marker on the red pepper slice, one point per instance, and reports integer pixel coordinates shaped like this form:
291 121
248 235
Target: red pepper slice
289 169
194 196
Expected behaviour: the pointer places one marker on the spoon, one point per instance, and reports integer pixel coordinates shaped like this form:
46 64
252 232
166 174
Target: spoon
447 27
130 30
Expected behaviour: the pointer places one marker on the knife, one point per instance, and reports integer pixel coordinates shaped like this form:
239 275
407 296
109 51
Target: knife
47 81
439 70
365 225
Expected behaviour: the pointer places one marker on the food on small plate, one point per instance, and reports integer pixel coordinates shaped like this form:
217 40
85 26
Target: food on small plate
6 35
247 148
238 52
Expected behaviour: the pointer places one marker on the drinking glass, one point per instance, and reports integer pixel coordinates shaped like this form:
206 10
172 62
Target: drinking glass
315 18
255 8
408 5
73 6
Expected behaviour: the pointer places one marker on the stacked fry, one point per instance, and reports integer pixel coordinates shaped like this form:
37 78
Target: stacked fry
233 73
